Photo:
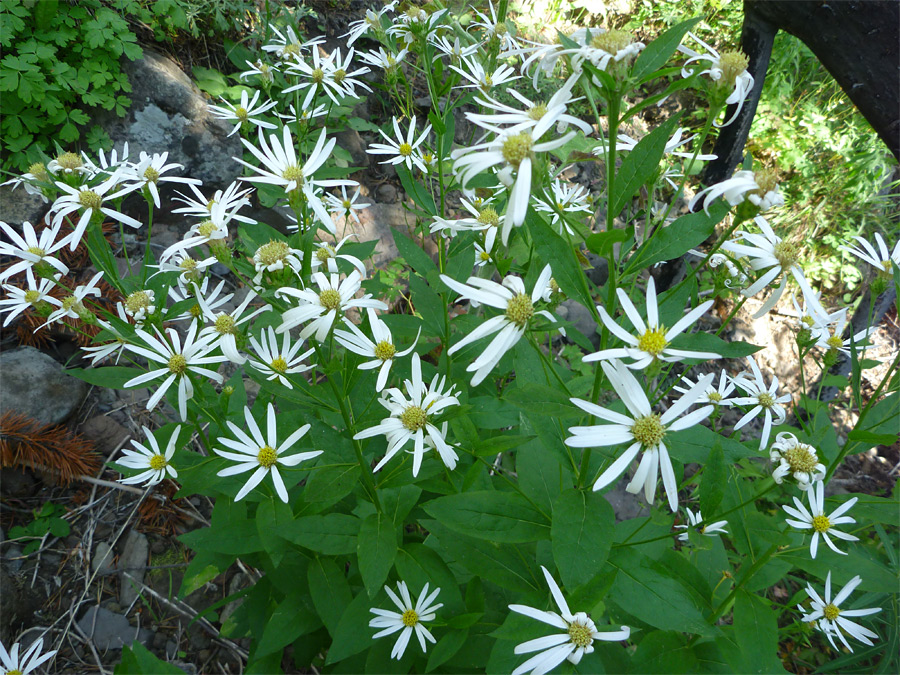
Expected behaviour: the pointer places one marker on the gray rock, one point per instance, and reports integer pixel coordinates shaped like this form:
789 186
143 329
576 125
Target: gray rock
37 386
17 206
581 317
133 558
169 114
625 504
386 193
102 561
375 223
109 630
350 140
105 432
237 582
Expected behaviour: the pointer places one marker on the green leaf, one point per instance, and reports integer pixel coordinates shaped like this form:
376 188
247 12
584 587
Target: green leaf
376 548
332 534
553 249
542 400
694 444
709 342
138 660
210 80
427 304
410 251
329 590
496 516
657 53
756 632
416 190
581 535
652 593
665 652
446 648
641 165
291 619
353 625
601 242
870 438
712 484
683 234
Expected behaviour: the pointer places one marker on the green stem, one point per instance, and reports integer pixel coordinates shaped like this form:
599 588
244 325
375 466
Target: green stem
147 257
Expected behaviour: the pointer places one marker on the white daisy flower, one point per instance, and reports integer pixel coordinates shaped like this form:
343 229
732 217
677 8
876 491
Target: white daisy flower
348 206
276 255
563 198
576 639
381 350
264 70
382 59
232 198
327 254
455 50
764 399
253 451
403 150
334 297
479 78
154 462
314 77
212 232
116 346
880 258
484 254
275 361
149 172
515 151
225 329
178 360
90 201
287 46
696 521
728 70
832 620
759 188
370 21
411 419
717 395
139 305
625 143
72 306
518 310
408 620
830 335
192 291
245 113
29 661
30 249
816 520
69 164
769 252
645 431
495 30
796 459
189 270
342 78
30 296
30 180
604 49
652 340
305 116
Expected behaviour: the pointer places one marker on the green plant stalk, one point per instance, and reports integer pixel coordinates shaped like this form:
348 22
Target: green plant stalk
144 265
725 605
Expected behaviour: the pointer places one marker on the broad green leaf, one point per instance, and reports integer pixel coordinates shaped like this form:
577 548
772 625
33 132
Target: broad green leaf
652 593
416 190
354 624
709 342
542 474
665 652
641 165
410 251
756 633
553 249
683 234
657 53
291 619
601 242
418 564
694 444
540 399
496 516
581 534
332 534
138 660
329 590
712 483
376 548
446 648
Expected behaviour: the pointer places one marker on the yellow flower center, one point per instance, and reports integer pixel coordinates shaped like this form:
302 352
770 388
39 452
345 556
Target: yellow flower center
821 523
206 228
158 462
766 179
410 618
38 170
648 430
196 311
279 365
653 341
732 65
267 456
886 264
536 112
347 204
13 672
405 149
808 321
330 299
227 390
32 296
517 147
500 29
292 49
317 75
293 173
485 256
137 301
69 161
385 351
714 396
225 325
831 611
765 400
612 41
835 342
488 216
786 254
36 250
339 75
519 309
151 174
241 113
90 199
414 418
177 364
325 253
69 303
801 458
580 635
271 253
